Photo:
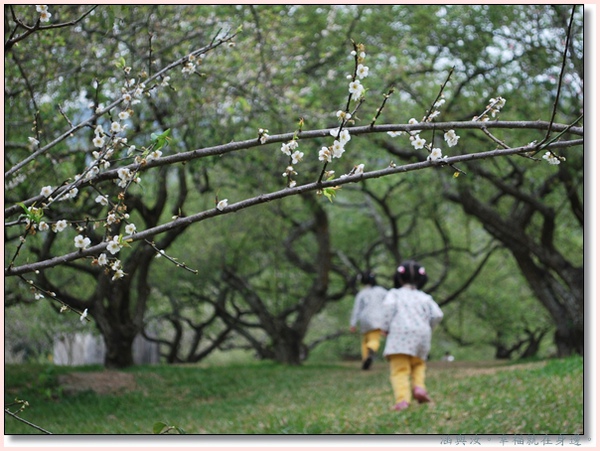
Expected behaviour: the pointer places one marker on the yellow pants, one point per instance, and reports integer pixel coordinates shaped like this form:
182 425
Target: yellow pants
402 368
370 340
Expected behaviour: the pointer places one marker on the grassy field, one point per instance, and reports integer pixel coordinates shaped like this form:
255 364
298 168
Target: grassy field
265 398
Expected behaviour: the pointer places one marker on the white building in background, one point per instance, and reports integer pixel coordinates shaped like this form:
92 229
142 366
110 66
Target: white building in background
87 349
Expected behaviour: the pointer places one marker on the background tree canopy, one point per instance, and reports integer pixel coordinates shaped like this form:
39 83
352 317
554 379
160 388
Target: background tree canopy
157 130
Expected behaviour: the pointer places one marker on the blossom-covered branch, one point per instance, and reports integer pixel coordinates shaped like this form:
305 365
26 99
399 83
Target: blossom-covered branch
287 192
180 157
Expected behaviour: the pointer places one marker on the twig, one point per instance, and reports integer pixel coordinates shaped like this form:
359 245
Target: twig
562 72
37 27
493 138
116 102
35 426
380 109
439 94
53 296
64 115
545 145
171 259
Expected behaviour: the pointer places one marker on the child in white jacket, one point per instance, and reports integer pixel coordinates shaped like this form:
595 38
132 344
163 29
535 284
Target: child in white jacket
368 313
410 318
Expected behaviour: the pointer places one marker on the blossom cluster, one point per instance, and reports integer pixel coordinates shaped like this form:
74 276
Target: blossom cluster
355 87
189 66
295 156
418 142
107 142
552 159
337 149
450 136
493 107
341 134
44 13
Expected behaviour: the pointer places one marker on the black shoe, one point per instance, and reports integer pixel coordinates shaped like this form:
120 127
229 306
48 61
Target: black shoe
369 360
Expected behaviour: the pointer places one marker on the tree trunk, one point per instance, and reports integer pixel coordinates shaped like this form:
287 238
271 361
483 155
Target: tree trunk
563 304
119 343
289 349
554 281
111 310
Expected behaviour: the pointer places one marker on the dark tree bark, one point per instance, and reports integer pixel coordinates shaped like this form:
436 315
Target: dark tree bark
286 330
557 283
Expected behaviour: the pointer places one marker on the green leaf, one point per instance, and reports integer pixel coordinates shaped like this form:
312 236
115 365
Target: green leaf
24 208
120 63
161 140
329 193
159 426
34 215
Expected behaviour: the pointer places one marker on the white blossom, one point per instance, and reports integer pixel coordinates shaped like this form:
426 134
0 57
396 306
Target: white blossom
84 315
439 103
102 259
362 71
98 141
337 149
435 154
102 200
59 225
418 142
285 148
263 134
451 138
356 89
551 159
222 204
289 171
344 137
130 229
325 154
394 134
297 156
45 16
154 155
188 68
82 242
413 121
114 246
46 191
343 115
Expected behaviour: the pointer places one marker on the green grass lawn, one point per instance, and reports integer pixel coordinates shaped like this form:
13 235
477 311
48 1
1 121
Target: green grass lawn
267 398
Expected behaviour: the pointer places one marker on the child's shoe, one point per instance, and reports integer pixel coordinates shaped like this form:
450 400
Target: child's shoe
369 360
420 394
401 405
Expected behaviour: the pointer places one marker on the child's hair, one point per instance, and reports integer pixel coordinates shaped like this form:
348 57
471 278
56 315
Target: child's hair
410 272
367 278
